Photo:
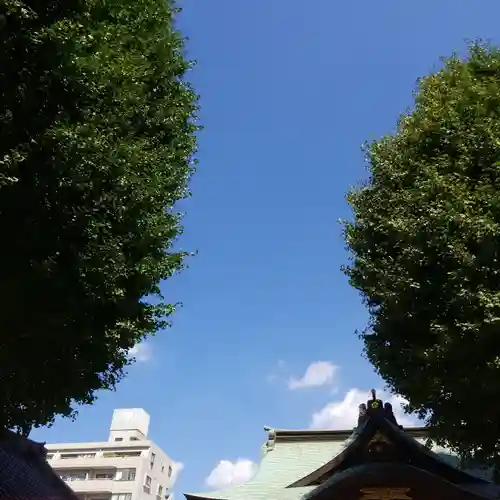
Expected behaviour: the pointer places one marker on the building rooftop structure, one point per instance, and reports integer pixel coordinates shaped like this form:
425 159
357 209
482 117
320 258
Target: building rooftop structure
379 460
129 466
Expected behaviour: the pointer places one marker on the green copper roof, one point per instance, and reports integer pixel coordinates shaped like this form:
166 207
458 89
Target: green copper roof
287 456
296 464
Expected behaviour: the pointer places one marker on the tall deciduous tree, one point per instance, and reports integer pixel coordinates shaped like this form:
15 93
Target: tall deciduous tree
97 136
425 246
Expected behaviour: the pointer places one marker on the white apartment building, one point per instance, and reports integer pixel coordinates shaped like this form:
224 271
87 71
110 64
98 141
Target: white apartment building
127 467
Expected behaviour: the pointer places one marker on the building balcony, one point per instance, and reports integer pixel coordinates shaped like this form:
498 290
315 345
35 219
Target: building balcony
82 486
97 462
91 485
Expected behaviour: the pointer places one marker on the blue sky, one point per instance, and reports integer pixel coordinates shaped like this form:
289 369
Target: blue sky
290 90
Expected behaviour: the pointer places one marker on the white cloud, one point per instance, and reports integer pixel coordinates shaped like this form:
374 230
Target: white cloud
141 352
228 473
319 373
343 414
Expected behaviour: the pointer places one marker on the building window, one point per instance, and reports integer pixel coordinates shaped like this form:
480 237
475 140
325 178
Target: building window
104 475
68 456
153 456
169 471
147 484
125 475
118 439
74 476
162 468
160 491
121 496
133 438
121 454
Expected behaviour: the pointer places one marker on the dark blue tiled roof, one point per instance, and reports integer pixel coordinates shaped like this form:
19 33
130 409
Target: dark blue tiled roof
25 474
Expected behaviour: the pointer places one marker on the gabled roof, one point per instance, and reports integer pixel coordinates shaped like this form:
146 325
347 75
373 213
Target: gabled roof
323 465
287 456
414 453
382 461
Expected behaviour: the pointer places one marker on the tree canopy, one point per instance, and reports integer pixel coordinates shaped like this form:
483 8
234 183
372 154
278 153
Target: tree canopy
425 248
97 137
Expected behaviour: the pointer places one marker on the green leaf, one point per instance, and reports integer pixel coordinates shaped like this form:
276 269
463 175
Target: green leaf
97 142
425 253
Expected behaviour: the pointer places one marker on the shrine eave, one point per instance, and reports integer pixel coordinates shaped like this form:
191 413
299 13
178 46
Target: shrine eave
374 476
399 438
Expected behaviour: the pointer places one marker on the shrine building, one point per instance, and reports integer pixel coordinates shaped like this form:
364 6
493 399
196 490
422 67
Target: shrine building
379 460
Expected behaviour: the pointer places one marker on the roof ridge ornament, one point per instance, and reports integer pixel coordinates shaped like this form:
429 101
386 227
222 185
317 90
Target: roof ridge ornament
271 439
375 407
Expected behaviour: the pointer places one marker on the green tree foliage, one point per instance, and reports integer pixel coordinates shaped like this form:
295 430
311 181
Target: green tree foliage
97 135
425 248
